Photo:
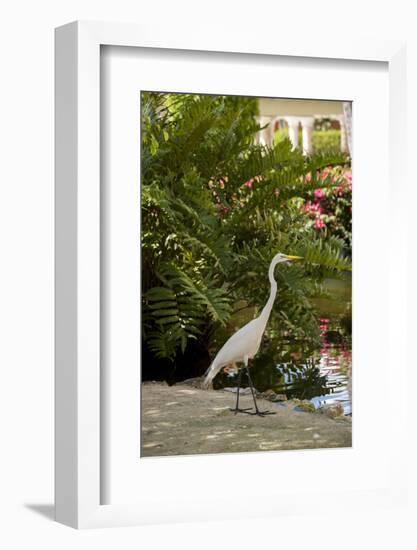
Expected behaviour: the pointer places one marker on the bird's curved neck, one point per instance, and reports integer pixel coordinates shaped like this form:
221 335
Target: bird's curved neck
268 306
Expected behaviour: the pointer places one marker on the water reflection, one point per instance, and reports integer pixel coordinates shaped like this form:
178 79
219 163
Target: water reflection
325 379
336 365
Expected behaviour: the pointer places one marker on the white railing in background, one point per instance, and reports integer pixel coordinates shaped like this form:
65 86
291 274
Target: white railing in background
302 113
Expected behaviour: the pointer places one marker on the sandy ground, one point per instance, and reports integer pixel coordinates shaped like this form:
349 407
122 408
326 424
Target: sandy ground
181 420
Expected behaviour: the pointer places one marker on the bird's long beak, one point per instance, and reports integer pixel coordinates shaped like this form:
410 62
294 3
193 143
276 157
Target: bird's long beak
294 257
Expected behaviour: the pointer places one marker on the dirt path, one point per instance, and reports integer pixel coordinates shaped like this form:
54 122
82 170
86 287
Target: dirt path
185 420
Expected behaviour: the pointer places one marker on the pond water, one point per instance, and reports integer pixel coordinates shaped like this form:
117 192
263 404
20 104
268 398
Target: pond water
321 375
335 360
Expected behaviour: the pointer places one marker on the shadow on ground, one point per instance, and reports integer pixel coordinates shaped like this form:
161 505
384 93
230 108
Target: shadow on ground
45 510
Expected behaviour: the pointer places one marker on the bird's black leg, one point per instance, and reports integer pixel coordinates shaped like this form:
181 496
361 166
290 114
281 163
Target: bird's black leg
257 411
236 409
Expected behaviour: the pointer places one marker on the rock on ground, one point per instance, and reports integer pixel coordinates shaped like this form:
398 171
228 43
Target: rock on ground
183 420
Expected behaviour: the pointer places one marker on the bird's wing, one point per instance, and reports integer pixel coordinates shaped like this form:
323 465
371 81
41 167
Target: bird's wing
242 343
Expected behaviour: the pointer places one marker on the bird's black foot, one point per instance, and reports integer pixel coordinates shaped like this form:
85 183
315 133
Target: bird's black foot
237 410
262 413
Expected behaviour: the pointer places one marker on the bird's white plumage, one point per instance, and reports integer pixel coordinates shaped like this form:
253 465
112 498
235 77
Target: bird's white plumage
244 344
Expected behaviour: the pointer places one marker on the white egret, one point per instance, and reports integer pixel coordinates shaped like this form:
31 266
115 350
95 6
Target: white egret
244 344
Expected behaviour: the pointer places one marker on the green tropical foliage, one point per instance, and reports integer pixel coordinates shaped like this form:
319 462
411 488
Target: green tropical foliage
215 209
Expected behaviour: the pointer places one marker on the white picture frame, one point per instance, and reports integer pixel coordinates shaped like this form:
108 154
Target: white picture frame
78 404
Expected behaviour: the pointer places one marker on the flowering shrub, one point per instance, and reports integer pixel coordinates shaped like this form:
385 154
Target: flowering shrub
330 209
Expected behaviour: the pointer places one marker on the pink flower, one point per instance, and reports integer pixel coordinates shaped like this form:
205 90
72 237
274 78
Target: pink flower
313 207
324 325
348 175
248 184
319 193
319 223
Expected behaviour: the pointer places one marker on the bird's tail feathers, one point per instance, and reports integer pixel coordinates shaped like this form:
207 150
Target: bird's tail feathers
210 373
